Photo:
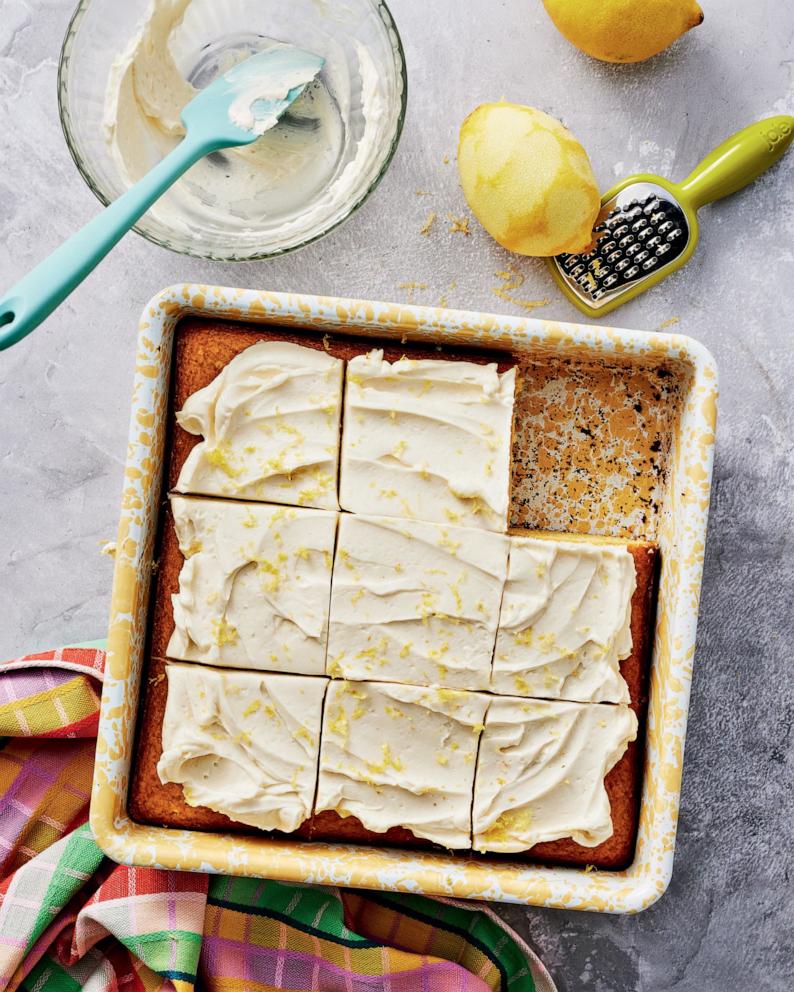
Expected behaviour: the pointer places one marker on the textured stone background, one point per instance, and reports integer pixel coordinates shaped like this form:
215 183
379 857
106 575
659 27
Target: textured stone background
64 395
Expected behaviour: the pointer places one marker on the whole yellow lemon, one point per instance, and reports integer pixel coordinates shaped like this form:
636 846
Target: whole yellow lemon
623 30
527 180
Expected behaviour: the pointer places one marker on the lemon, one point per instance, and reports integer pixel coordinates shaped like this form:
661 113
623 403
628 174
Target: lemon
527 180
623 30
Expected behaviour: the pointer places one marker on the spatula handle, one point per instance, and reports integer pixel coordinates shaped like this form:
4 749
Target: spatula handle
738 161
35 296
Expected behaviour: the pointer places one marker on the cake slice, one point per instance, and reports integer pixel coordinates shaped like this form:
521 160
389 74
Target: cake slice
401 756
254 586
541 770
428 439
415 603
270 428
243 743
565 622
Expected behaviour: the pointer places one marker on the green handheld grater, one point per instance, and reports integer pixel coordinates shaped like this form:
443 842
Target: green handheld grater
647 226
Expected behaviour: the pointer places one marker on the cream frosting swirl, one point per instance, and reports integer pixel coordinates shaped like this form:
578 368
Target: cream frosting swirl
242 743
565 622
270 424
301 176
415 602
541 769
428 440
400 755
255 585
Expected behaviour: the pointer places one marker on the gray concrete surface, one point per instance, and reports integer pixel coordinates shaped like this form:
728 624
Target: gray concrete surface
64 395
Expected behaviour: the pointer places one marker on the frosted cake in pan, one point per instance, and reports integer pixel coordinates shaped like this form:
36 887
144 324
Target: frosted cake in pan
430 612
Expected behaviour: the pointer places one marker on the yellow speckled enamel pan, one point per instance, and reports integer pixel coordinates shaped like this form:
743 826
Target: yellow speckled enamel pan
616 437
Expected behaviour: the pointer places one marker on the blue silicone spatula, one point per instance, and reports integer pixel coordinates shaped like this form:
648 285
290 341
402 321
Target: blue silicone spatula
234 110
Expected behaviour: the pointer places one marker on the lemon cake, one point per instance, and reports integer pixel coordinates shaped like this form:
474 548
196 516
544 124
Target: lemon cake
401 755
428 439
254 585
413 613
415 603
541 769
243 743
269 423
565 621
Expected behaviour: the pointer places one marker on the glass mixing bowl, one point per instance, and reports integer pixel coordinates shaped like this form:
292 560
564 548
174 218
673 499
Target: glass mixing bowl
259 222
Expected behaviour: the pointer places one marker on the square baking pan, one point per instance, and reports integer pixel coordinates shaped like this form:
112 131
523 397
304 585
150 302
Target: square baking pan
615 437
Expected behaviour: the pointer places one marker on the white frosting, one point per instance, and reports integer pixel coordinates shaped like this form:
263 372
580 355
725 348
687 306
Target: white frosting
428 440
144 80
270 84
399 755
565 622
541 770
243 744
296 180
415 602
255 585
270 423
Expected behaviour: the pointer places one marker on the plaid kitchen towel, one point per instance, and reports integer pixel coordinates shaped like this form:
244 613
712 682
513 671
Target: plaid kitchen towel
71 919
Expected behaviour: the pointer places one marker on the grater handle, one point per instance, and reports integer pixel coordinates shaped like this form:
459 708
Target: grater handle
738 161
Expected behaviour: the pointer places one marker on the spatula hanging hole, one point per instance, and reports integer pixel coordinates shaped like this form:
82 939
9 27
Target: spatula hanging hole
7 318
